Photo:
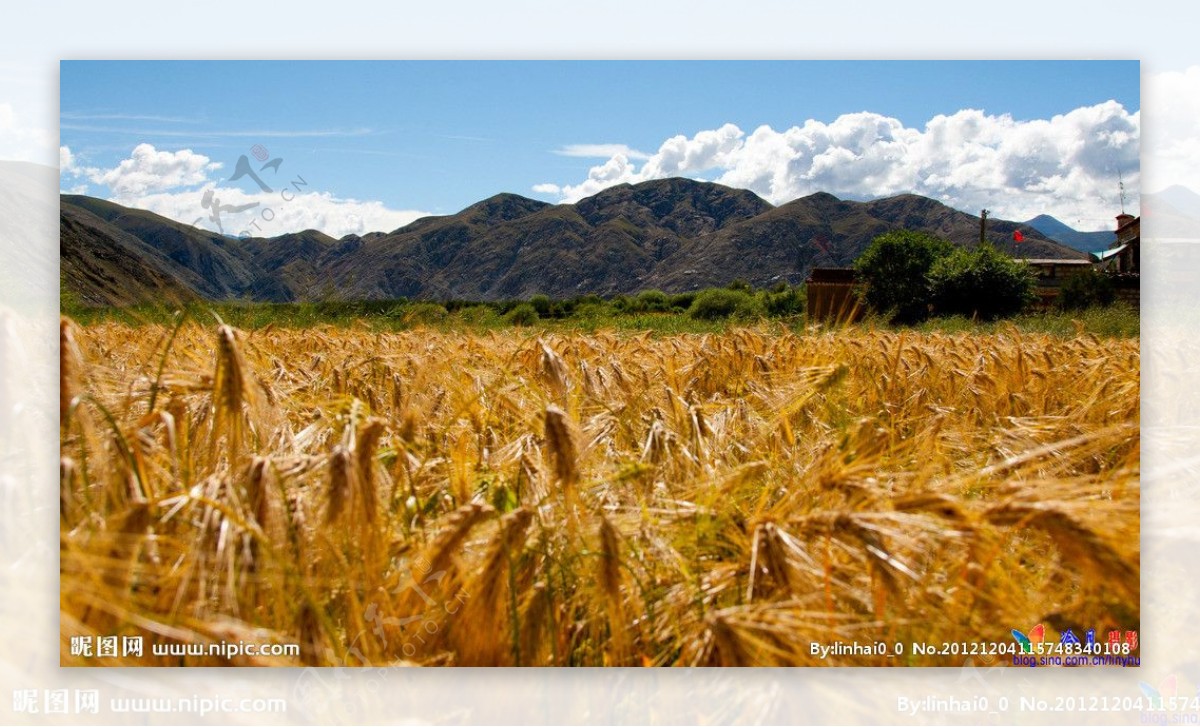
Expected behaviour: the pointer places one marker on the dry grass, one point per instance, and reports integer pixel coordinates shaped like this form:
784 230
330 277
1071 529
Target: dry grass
593 499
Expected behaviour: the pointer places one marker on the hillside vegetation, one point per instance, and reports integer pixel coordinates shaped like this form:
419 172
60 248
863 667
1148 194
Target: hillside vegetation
674 235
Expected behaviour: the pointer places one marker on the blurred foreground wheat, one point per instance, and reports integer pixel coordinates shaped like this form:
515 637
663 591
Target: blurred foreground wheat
592 499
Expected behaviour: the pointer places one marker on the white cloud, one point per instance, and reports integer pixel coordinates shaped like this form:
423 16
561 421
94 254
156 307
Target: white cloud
268 214
706 150
614 171
149 170
66 161
174 184
551 189
1066 166
601 151
69 168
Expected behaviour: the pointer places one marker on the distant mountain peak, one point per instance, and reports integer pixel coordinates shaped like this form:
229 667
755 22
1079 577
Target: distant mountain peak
309 235
507 205
675 186
821 197
685 207
1063 233
1045 218
1047 224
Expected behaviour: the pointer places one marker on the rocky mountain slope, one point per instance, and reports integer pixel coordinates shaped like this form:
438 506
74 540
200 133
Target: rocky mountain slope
671 234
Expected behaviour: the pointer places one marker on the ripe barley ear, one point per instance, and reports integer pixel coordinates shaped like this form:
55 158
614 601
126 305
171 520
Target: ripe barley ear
341 491
610 585
490 621
229 391
70 364
561 440
554 373
364 462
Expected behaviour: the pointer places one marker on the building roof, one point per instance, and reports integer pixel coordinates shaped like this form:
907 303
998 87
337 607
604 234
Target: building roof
832 275
1055 261
1124 220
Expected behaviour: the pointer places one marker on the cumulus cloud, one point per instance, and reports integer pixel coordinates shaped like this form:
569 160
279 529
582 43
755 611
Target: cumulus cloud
149 170
66 161
1066 166
266 214
182 186
706 150
616 170
71 170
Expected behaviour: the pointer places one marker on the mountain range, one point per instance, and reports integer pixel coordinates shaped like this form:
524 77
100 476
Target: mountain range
1061 232
673 235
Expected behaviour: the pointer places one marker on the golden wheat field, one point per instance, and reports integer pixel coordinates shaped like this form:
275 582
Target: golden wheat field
519 498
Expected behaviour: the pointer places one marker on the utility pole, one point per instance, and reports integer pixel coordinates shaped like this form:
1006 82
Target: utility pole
983 226
1121 188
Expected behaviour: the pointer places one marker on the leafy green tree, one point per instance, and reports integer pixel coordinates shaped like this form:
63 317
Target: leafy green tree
981 283
895 269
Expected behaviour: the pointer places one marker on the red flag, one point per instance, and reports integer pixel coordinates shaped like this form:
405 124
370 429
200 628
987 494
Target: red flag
1017 236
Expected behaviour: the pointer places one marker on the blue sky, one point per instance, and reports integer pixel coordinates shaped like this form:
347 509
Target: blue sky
400 139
